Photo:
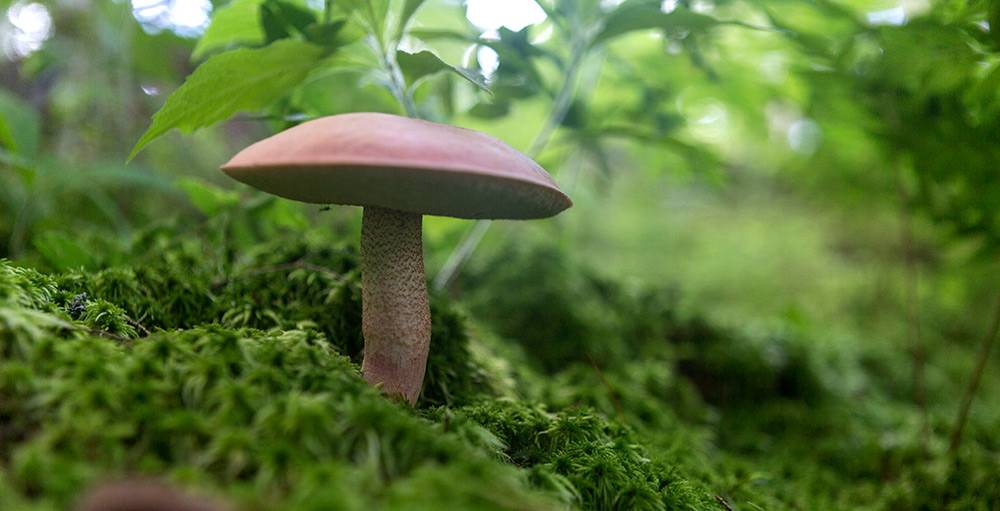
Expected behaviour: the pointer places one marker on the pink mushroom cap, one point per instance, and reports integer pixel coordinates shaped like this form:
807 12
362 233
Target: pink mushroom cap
388 161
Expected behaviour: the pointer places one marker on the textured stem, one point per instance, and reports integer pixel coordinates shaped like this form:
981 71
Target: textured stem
396 318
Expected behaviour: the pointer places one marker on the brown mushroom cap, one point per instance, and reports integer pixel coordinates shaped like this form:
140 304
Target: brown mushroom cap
374 159
143 495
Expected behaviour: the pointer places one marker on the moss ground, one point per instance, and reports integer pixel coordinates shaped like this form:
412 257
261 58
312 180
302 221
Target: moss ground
234 371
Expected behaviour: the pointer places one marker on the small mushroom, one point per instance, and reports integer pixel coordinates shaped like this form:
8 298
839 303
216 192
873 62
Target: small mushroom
398 169
143 495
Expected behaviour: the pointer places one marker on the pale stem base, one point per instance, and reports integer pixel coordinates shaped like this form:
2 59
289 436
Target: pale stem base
396 317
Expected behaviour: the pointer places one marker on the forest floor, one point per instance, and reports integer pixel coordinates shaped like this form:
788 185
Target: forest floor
224 357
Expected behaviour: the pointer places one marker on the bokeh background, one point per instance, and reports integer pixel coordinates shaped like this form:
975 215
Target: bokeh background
786 220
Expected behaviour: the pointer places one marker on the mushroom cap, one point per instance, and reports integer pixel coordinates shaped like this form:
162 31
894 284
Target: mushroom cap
388 161
142 495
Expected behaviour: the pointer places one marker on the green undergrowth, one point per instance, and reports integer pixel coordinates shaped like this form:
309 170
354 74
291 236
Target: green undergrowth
231 367
240 376
766 417
280 419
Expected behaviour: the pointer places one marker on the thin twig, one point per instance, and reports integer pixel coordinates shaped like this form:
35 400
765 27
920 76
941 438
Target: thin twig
919 354
722 502
397 84
560 107
465 248
564 99
970 391
139 326
604 381
912 285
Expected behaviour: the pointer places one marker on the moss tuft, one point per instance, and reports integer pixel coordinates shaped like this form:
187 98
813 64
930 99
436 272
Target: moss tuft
600 463
237 409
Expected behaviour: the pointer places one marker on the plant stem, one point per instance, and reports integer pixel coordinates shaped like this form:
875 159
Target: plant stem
970 391
464 249
560 106
387 58
397 84
912 293
563 100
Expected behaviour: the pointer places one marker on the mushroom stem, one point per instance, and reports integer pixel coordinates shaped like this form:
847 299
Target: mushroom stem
396 318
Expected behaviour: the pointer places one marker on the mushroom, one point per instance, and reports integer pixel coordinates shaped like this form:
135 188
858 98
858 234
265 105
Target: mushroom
143 495
397 169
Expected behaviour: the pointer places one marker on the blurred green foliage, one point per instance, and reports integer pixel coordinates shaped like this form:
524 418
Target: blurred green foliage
767 296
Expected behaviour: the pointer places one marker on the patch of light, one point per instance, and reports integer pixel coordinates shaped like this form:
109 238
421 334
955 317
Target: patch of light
668 6
411 45
711 113
486 57
31 25
544 35
773 66
150 90
985 25
893 16
804 136
702 6
711 122
488 60
513 14
187 18
607 5
787 123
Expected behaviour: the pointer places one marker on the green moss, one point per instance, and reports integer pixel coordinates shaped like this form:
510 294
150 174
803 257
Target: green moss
734 369
270 408
563 313
232 366
25 287
228 407
107 317
598 462
967 483
278 285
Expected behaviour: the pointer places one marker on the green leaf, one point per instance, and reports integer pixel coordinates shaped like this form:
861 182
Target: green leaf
993 17
430 34
373 12
236 23
645 15
20 129
409 8
285 214
494 110
575 11
420 65
238 80
208 198
62 251
282 19
330 34
8 158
